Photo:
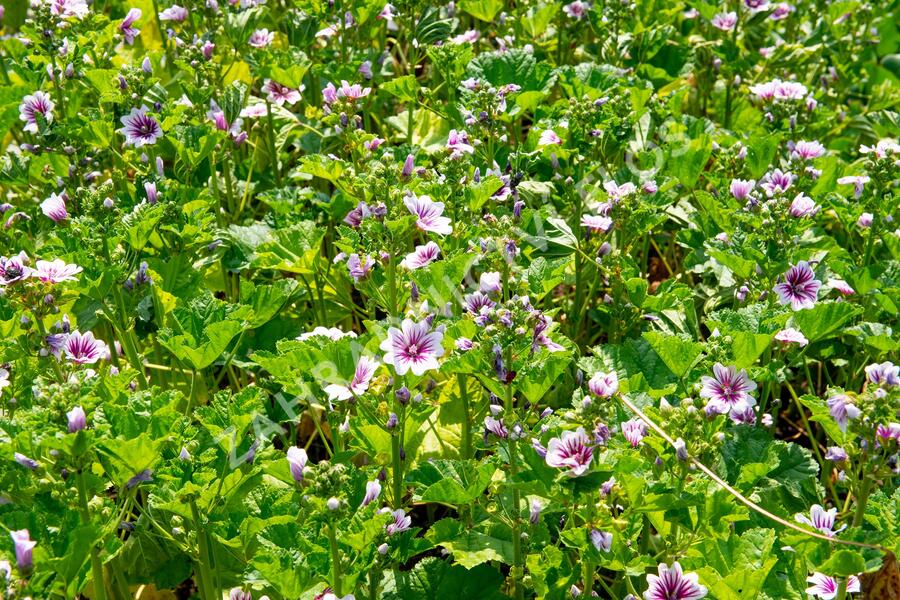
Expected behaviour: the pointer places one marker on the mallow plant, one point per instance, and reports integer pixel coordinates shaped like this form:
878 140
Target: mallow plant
544 299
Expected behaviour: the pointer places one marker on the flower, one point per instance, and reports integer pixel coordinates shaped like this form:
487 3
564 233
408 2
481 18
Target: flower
886 374
351 92
835 454
429 214
617 192
741 188
83 348
23 545
728 389
673 584
888 432
777 182
413 347
577 9
571 451
808 150
865 220
4 379
25 461
297 459
826 587
841 286
77 419
365 370
140 129
55 271
373 490
725 21
280 94
535 514
489 282
69 8
260 38
789 335
174 13
359 267
496 427
634 431
14 268
803 206
421 256
604 385
401 522
36 104
800 287
55 208
458 141
842 410
857 181
126 25
549 138
820 519
882 149
596 223
601 540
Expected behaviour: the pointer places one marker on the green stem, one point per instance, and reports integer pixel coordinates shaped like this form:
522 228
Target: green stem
518 569
205 582
96 563
336 583
467 418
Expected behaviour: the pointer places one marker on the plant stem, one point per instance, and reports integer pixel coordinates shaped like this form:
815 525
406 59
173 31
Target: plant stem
336 583
466 450
396 462
518 570
205 583
96 563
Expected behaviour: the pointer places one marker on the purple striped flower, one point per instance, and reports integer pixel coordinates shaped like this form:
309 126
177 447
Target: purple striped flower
297 459
725 21
597 223
280 94
741 188
261 38
807 150
36 104
373 491
54 207
413 347
428 213
15 268
126 28
359 267
23 546
728 389
857 181
604 385
139 128
826 587
77 419
835 454
886 374
174 13
673 584
458 142
421 256
789 335
365 370
800 287
777 182
570 451
83 348
886 433
602 540
842 410
69 8
820 519
634 431
28 463
401 522
803 206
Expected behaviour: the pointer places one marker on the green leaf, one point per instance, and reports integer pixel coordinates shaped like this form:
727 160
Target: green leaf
825 320
454 482
679 354
843 563
484 10
405 88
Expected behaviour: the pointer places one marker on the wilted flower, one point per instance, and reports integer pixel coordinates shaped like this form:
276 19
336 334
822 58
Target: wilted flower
358 266
126 28
835 454
727 389
803 206
77 419
54 207
139 128
297 459
421 256
144 476
570 451
820 519
365 370
373 490
842 410
789 335
597 223
602 540
429 214
495 426
800 287
458 142
535 514
413 347
673 584
23 546
826 587
84 349
25 461
857 181
604 385
36 104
